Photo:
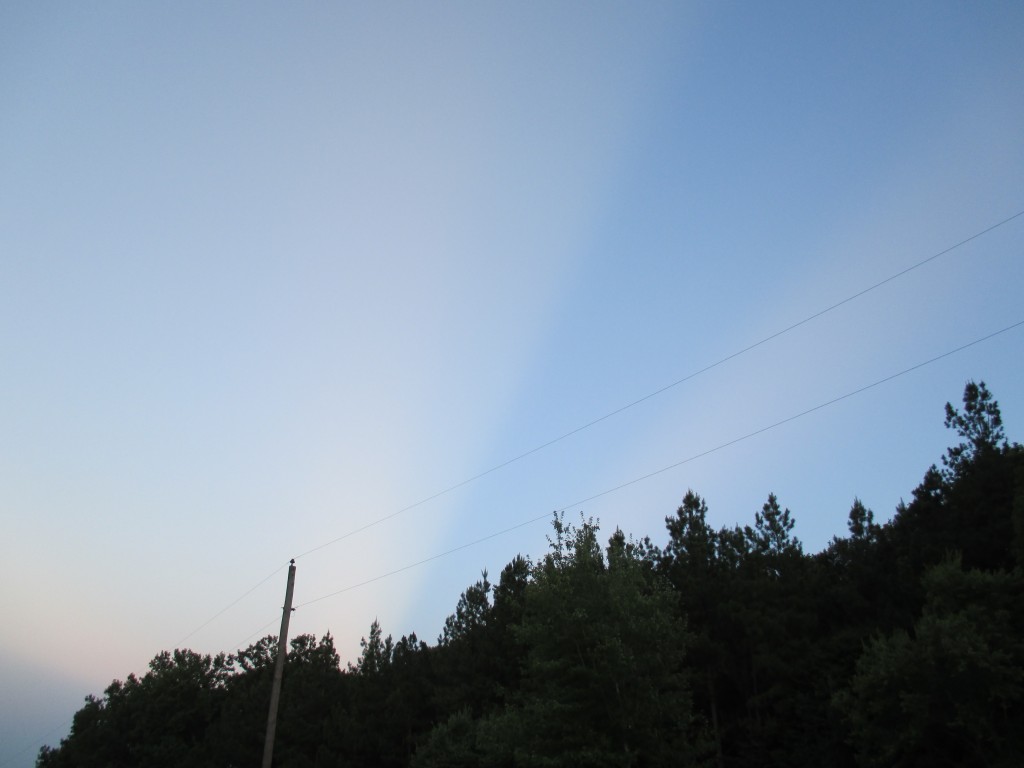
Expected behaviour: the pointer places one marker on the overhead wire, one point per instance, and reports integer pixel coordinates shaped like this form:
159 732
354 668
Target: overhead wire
232 604
616 411
603 493
609 415
647 476
425 560
259 631
663 389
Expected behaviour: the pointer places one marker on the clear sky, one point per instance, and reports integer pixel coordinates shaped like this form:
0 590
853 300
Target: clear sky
269 273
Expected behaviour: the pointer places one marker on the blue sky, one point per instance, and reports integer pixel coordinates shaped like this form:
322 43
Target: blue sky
269 274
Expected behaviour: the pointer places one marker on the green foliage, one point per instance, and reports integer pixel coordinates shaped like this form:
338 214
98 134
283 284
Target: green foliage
161 719
601 646
470 613
980 424
862 523
376 655
452 744
692 551
604 681
950 692
771 532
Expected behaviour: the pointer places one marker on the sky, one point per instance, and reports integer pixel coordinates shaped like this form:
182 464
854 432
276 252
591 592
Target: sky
269 275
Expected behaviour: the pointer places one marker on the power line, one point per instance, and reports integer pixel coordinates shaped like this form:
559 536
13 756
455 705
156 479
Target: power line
608 491
610 414
663 389
230 605
425 560
674 465
259 631
796 416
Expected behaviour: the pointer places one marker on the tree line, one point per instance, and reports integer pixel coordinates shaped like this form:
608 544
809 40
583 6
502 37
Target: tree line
899 644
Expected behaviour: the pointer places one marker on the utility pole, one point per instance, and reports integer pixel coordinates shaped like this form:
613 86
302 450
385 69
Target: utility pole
282 650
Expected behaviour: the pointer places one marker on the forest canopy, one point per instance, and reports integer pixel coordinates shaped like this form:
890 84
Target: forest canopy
899 644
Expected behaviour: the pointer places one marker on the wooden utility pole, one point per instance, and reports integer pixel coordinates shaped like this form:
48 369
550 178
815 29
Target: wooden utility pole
282 650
